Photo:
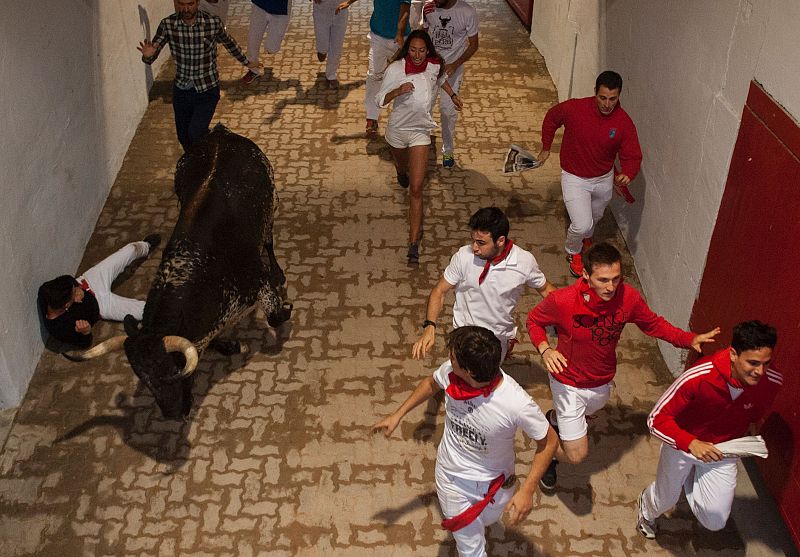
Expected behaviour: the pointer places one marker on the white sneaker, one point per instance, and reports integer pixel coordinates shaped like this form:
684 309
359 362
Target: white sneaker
645 527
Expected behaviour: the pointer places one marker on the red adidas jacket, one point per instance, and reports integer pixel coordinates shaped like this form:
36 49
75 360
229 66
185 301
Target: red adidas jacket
592 141
589 328
699 405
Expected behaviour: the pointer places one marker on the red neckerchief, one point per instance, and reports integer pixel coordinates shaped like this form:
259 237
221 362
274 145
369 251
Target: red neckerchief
460 520
461 390
723 362
592 300
85 287
496 260
412 68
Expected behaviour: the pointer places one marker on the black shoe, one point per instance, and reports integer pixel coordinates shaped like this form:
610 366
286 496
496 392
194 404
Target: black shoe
154 240
413 253
551 419
550 477
402 179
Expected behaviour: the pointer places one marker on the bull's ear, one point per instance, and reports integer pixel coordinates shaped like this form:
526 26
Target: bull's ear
131 325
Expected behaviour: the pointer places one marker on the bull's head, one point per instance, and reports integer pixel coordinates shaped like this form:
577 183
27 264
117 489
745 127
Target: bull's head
164 364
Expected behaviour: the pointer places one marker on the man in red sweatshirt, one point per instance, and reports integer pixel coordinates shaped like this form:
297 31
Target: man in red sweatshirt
589 317
596 130
716 400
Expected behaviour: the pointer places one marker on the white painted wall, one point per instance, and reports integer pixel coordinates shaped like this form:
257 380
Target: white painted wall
687 68
74 89
570 36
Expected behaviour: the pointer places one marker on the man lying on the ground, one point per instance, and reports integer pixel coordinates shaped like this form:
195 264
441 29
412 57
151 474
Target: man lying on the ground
70 306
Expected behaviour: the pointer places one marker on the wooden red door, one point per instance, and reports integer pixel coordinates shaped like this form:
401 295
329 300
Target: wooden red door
524 11
753 272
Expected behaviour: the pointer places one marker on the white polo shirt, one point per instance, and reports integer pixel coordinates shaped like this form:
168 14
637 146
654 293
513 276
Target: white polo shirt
492 303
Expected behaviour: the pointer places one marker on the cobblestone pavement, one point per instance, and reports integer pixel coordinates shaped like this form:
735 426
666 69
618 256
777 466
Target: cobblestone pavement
277 457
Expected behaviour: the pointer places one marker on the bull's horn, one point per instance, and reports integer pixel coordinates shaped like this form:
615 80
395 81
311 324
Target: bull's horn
173 343
114 343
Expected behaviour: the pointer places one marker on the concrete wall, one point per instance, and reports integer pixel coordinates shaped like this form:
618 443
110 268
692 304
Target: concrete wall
570 36
687 66
73 89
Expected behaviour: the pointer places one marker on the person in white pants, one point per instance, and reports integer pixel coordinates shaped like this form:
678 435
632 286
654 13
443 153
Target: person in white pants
218 8
330 26
453 26
270 18
388 27
716 400
70 306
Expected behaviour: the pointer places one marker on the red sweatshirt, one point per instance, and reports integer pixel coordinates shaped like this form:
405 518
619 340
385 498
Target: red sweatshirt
589 328
592 141
699 404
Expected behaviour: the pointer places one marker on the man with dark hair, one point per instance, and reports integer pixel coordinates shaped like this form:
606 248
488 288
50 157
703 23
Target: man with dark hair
475 459
715 400
488 276
596 130
589 316
70 306
192 35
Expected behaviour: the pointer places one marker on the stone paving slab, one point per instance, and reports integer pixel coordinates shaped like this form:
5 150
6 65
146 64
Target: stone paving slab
277 458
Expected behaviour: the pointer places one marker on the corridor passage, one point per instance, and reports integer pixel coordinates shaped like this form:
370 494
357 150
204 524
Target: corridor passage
277 458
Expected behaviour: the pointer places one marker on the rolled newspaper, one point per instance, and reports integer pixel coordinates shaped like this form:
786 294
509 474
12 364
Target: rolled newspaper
752 445
518 159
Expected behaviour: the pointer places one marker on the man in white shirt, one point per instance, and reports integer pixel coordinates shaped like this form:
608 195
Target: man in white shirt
453 27
484 407
488 276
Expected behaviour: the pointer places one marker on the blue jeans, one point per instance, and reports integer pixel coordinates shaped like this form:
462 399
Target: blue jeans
193 113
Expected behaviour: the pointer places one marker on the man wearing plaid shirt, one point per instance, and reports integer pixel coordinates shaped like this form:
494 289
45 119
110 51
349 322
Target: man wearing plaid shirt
192 35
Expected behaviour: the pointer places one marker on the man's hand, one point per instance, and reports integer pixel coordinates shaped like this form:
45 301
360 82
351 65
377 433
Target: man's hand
543 155
343 6
520 506
399 39
622 179
387 425
82 326
554 361
706 452
457 102
77 295
147 48
424 344
699 340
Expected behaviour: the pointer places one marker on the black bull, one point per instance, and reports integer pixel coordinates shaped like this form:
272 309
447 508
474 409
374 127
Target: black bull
218 263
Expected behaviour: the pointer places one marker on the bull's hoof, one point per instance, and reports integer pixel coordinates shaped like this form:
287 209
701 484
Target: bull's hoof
280 316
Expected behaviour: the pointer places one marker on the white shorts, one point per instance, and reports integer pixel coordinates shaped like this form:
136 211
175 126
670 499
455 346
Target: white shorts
573 404
400 139
456 495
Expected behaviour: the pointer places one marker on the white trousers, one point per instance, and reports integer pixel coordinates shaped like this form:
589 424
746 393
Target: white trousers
448 111
100 277
456 495
329 30
416 17
380 51
709 487
573 404
220 9
586 200
261 23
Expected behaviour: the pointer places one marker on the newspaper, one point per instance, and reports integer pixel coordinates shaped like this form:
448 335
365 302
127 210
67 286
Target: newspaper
518 159
752 445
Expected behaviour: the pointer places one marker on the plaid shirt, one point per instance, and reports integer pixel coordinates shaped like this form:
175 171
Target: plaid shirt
194 48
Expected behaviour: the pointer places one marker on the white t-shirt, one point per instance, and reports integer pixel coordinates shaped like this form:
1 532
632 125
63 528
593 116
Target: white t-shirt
449 29
411 111
492 303
478 440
